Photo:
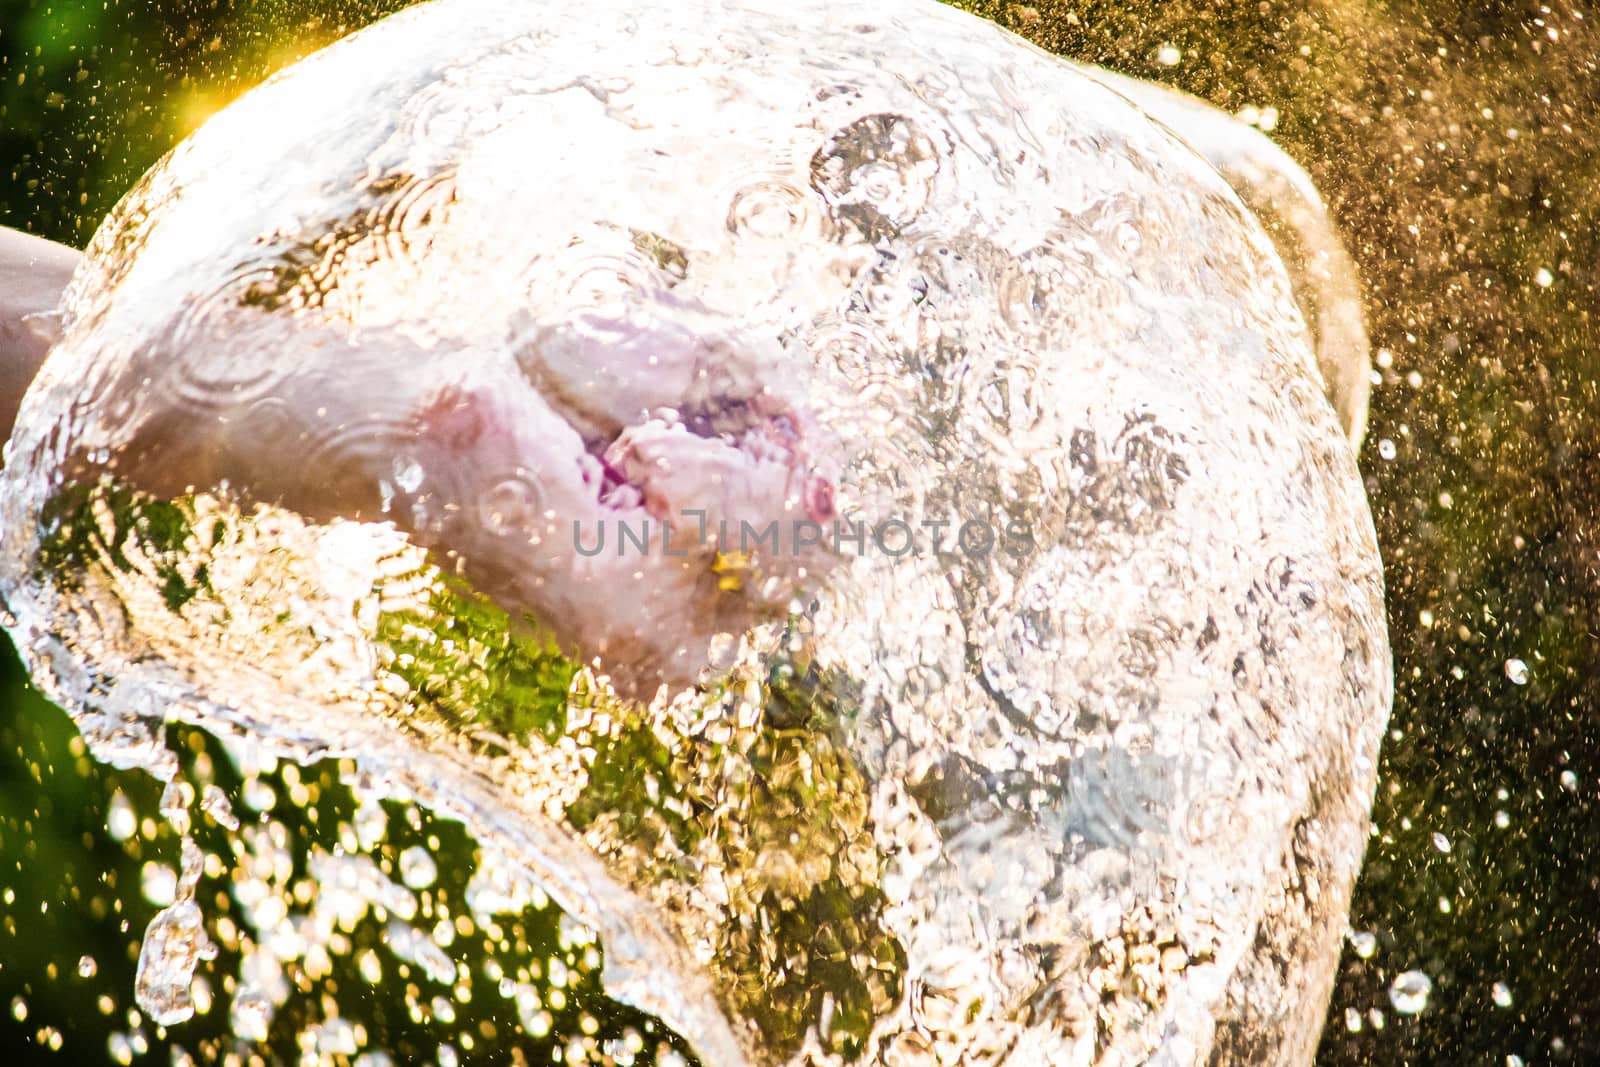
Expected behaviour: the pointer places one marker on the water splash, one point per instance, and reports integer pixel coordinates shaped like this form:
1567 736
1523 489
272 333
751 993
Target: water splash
936 801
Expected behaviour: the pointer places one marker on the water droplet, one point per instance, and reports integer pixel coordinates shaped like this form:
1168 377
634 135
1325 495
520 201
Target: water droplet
251 1015
1365 943
1569 781
1502 819
214 802
1502 995
1409 992
1386 448
408 474
158 883
371 823
1168 55
121 821
1517 671
173 945
1352 1020
259 795
1544 279
417 868
769 209
1442 843
511 506
87 967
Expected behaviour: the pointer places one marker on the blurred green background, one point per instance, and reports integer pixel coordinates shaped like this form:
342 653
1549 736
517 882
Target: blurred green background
1457 146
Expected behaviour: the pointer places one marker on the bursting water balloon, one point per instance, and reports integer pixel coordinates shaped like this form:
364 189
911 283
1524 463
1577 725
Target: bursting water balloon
843 502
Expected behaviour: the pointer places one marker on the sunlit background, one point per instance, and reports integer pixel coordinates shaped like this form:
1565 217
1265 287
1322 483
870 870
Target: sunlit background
1457 149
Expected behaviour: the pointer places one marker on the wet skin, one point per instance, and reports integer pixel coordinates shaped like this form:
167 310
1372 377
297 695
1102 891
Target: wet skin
33 272
656 417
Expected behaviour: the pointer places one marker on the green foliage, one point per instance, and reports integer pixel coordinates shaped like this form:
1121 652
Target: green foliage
465 659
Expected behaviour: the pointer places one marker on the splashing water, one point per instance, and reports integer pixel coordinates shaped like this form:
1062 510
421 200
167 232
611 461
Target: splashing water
1055 733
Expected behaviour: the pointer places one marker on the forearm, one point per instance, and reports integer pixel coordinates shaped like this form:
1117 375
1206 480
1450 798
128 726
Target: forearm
33 273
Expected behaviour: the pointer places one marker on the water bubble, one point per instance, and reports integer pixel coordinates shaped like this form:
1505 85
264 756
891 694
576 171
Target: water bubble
879 174
769 209
511 505
1517 671
1409 992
